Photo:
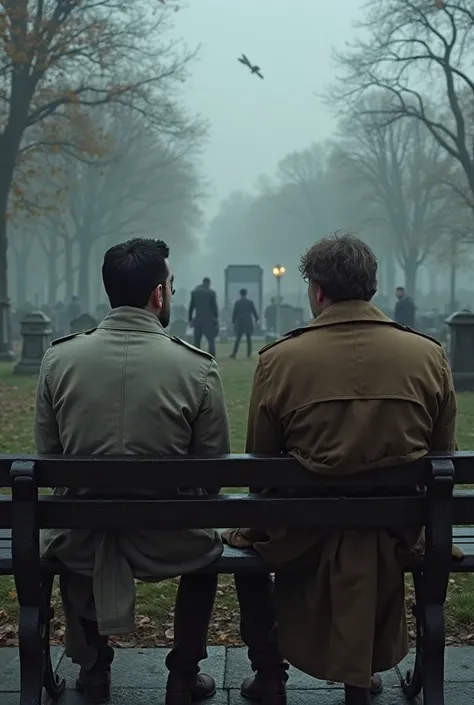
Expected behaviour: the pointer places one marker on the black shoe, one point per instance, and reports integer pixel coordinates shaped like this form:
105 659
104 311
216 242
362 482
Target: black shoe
95 683
376 684
181 691
357 696
268 688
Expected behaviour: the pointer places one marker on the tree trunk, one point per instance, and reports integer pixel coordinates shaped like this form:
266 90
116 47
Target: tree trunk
52 270
68 269
21 262
390 274
411 271
84 279
6 177
452 275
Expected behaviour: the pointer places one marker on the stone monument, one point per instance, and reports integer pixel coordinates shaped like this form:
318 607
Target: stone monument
36 331
461 349
82 323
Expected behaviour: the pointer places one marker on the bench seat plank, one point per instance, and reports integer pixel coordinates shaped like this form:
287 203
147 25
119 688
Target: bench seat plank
239 559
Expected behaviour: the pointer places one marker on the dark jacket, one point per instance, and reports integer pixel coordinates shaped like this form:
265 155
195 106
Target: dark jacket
405 312
204 304
242 314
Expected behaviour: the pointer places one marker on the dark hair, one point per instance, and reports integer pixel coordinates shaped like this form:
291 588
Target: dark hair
400 288
243 292
343 266
133 269
206 281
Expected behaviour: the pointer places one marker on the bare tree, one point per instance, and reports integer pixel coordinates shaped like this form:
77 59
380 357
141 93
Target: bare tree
400 166
421 53
55 53
142 185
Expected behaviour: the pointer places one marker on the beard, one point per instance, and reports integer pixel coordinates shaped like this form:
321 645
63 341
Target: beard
315 310
165 313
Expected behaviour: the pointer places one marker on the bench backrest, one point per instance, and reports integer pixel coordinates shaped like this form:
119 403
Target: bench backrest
379 498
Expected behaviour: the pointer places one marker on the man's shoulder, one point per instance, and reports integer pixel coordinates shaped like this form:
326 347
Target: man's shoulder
292 335
412 331
71 336
192 348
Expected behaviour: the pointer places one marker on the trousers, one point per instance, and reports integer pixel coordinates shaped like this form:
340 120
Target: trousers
239 334
200 331
193 610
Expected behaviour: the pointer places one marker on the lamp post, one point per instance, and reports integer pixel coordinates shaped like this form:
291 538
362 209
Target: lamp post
278 272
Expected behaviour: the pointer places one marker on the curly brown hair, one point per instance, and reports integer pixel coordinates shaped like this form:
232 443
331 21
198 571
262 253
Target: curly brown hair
343 266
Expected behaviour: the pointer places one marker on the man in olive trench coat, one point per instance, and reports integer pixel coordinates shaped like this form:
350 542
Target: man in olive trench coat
129 388
350 392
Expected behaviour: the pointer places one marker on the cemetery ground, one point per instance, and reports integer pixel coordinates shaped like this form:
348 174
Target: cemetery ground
155 601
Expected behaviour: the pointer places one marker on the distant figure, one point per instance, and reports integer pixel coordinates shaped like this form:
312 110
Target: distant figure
270 316
404 308
242 319
74 308
206 321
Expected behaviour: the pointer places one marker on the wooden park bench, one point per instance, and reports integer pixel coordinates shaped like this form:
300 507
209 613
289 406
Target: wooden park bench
379 499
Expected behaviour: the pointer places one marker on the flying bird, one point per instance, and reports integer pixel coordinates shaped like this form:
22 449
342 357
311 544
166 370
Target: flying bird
253 69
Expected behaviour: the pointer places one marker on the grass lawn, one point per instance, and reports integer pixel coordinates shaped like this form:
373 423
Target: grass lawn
155 602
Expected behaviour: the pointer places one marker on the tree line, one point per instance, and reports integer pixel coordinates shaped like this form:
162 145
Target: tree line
94 141
400 168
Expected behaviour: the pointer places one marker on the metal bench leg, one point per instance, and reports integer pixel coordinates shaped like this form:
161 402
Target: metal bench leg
412 683
433 655
31 655
53 684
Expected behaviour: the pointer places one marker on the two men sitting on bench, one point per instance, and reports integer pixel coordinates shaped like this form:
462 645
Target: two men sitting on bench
350 392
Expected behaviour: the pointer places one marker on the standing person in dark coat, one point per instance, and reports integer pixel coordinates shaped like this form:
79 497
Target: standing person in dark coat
404 308
206 321
270 316
242 319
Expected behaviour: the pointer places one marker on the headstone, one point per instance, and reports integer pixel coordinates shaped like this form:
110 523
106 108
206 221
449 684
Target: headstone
36 331
82 323
461 349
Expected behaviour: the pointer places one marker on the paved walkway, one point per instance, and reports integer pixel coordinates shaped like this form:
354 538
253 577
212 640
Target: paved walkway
140 674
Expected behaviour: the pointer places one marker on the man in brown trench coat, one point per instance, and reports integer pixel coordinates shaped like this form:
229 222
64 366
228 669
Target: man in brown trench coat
350 392
127 387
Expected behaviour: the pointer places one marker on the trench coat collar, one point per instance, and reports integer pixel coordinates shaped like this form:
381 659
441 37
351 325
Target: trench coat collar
350 312
129 318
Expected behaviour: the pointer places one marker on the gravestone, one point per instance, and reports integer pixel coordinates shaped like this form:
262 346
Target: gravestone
461 349
82 323
36 331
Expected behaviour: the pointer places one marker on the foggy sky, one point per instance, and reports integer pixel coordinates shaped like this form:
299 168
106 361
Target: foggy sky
255 123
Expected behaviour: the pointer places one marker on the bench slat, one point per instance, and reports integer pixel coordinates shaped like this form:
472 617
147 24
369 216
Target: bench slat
230 471
228 510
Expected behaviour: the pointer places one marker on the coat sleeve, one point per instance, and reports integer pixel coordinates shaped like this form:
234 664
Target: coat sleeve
211 434
192 306
215 310
254 312
211 428
264 433
444 430
47 437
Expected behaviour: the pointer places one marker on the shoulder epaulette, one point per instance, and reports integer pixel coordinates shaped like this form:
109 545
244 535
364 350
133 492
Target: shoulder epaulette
71 336
180 341
292 334
417 332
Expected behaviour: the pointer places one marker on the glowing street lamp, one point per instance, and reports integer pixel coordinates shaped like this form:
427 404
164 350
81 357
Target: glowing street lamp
278 272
